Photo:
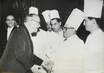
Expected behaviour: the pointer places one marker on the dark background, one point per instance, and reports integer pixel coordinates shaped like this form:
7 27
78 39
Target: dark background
20 7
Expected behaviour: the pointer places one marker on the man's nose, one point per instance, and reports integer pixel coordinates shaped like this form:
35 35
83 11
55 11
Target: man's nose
10 21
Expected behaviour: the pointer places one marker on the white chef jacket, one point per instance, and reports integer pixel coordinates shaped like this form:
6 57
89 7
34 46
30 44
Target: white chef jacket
94 62
69 56
45 43
40 43
54 41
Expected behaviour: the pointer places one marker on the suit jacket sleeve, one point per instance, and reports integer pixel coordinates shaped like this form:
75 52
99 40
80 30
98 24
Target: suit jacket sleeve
21 50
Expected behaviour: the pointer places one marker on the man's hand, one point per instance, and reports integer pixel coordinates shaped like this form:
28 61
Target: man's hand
38 69
48 66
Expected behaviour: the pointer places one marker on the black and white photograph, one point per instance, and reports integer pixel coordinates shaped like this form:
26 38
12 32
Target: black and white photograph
51 36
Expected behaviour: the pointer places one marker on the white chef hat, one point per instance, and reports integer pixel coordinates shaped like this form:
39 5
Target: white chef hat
93 8
33 10
46 15
75 19
54 14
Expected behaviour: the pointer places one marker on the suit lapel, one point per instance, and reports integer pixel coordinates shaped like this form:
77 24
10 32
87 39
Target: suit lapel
28 39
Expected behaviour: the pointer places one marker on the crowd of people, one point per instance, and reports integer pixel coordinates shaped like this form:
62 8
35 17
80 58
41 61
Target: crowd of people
30 49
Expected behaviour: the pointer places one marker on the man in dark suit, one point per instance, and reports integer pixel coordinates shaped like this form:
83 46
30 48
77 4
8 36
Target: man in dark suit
18 56
6 31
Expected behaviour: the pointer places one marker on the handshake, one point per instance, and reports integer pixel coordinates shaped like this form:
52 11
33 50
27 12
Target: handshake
46 67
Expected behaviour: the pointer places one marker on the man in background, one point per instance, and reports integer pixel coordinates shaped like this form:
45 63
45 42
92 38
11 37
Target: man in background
11 24
56 35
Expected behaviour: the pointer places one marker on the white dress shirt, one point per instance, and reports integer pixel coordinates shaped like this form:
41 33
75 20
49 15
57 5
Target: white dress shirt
40 43
9 32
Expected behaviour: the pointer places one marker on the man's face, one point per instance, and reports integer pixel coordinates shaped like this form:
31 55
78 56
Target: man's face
33 23
55 25
88 24
68 31
10 21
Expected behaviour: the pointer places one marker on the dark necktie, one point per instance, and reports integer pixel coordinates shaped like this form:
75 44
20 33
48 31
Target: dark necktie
34 34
